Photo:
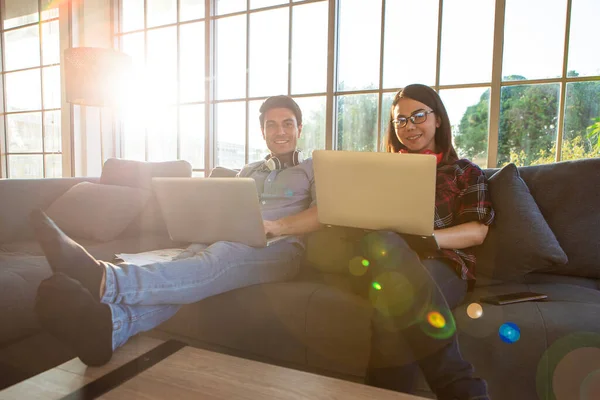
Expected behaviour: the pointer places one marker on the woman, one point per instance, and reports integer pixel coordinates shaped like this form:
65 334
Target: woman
414 294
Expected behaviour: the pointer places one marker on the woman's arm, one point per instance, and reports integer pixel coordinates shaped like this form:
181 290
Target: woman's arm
461 236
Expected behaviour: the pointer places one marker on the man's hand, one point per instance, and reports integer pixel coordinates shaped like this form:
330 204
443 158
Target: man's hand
273 228
191 251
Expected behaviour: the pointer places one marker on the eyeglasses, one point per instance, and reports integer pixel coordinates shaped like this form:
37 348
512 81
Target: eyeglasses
418 117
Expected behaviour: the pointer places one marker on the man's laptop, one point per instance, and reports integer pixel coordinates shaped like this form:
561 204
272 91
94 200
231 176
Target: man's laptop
378 191
208 210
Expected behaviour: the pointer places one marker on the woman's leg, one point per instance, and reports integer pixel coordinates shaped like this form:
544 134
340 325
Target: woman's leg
410 300
403 378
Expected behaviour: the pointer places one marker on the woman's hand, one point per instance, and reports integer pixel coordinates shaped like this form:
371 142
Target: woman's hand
461 236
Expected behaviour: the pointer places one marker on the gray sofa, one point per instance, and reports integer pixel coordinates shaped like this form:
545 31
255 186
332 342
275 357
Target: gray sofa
318 323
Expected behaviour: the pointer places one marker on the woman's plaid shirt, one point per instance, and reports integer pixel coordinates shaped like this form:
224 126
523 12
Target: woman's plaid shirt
461 196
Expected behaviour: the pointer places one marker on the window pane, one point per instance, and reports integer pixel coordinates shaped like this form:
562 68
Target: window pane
309 48
52 129
20 12
162 136
161 12
191 9
51 43
533 46
467 25
528 117
386 107
265 3
191 126
468 110
53 165
191 67
357 122
584 59
231 57
134 139
400 67
231 134
162 65
582 121
132 15
23 90
230 6
269 64
24 132
313 124
52 87
26 166
358 63
257 147
22 48
49 9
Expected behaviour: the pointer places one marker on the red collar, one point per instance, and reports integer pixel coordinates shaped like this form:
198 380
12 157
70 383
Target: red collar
438 156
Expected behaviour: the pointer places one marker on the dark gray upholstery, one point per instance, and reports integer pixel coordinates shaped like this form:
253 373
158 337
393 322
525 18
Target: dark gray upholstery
317 322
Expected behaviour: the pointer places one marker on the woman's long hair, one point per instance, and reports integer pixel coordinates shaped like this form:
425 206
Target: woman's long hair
443 133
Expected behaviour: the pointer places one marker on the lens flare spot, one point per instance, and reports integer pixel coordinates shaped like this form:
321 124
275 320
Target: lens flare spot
509 332
474 310
357 266
376 286
436 319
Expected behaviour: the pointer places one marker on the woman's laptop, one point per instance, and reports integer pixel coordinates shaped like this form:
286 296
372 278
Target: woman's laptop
209 210
378 191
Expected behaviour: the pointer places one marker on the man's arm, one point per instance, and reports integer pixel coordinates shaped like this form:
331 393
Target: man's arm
304 222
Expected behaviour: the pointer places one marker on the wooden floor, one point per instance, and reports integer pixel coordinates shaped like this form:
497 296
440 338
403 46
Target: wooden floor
193 373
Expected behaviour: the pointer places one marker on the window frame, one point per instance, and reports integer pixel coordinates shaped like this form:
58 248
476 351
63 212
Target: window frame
332 95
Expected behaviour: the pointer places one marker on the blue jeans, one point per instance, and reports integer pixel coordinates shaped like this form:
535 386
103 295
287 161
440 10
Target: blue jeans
433 286
142 297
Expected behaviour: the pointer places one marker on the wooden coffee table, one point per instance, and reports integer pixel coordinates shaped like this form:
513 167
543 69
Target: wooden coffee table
187 373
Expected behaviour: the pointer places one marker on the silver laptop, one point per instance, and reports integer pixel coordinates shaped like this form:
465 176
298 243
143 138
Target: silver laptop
376 191
208 210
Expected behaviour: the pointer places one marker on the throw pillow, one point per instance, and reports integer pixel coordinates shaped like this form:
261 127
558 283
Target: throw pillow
520 240
139 174
97 212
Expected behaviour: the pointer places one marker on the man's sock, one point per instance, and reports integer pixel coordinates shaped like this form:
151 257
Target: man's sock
65 255
69 312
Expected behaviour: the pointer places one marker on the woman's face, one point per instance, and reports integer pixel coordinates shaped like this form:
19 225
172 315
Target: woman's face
420 136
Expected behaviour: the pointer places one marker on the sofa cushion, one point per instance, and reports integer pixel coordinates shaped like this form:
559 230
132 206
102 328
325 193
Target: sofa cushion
97 212
101 250
20 197
139 174
568 194
519 241
20 277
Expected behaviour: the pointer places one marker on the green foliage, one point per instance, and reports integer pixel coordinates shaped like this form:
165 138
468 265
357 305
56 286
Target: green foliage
528 123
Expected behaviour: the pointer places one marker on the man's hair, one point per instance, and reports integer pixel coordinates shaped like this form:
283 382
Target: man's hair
280 102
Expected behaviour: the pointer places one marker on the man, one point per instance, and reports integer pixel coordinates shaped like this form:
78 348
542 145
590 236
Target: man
95 306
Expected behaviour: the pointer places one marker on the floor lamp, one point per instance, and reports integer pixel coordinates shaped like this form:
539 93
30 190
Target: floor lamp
96 77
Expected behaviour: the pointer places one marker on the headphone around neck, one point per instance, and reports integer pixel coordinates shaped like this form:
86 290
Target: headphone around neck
274 164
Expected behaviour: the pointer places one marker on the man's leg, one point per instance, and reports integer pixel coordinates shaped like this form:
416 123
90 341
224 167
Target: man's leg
410 303
92 329
221 267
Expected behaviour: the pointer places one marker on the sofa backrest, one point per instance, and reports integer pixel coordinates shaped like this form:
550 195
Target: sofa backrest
19 197
568 195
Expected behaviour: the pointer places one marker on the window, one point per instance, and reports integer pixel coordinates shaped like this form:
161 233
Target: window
517 88
30 121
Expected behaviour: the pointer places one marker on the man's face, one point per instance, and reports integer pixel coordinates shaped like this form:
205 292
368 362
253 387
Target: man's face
281 131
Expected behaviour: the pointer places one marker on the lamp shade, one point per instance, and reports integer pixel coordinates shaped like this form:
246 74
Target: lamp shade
94 76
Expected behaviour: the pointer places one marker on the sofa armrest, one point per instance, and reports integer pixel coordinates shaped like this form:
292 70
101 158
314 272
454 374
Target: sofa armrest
21 196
